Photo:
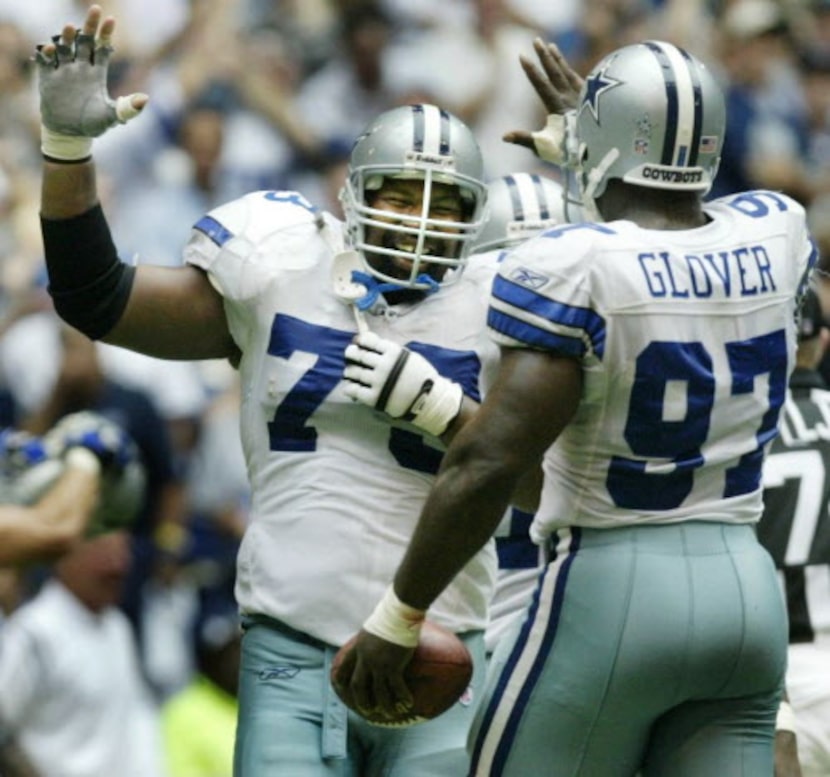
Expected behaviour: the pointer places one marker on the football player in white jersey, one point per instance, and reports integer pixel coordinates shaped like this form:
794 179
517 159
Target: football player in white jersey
519 206
283 289
646 356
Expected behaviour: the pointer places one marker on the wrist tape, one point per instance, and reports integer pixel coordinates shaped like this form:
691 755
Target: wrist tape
64 148
88 283
435 410
395 621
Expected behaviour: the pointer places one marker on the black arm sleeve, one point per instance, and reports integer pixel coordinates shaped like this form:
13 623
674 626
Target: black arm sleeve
88 283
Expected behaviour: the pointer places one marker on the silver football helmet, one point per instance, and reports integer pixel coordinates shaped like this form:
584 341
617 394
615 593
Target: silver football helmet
519 206
420 142
652 115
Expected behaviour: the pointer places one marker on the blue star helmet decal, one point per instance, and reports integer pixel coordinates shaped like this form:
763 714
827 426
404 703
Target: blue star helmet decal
595 85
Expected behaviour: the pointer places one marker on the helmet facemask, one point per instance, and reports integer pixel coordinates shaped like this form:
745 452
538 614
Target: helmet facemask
433 246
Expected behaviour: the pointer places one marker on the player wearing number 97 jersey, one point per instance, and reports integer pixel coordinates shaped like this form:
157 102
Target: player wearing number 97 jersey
686 340
645 356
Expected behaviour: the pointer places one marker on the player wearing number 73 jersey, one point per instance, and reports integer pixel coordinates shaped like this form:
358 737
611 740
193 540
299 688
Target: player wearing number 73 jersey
336 484
338 468
645 355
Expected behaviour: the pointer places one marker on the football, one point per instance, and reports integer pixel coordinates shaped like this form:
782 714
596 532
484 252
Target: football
438 674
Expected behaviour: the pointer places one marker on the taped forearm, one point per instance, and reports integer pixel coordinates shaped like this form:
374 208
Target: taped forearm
88 283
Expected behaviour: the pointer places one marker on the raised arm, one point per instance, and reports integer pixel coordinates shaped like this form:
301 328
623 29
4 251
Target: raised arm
161 311
558 86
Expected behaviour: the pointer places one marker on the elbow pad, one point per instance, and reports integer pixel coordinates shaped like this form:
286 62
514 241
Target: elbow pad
88 283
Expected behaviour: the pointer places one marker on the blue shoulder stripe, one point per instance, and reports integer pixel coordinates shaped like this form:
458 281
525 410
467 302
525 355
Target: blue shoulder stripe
558 313
534 335
213 229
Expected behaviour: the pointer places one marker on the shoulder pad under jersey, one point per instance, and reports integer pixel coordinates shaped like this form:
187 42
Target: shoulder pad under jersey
761 202
561 250
246 243
257 215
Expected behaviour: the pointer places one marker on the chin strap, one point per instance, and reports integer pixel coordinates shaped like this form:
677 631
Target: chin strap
594 178
374 288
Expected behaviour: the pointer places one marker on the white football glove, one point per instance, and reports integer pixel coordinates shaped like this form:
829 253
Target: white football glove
75 105
400 383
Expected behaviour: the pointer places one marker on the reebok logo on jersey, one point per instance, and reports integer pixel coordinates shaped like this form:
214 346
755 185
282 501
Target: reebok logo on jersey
525 277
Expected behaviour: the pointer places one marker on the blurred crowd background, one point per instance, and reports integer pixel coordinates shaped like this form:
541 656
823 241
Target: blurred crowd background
270 94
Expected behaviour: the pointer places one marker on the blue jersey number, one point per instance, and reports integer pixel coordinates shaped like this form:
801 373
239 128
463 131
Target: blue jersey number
636 485
290 430
757 204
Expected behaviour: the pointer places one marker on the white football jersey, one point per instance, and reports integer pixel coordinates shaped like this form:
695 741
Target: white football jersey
687 340
337 488
520 564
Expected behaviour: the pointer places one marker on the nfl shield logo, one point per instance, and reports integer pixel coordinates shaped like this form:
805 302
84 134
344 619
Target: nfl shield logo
641 146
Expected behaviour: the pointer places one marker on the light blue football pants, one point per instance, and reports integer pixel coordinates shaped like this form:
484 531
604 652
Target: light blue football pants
291 723
654 648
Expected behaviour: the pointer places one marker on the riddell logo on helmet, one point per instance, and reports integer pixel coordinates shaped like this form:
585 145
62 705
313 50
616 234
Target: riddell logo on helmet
672 176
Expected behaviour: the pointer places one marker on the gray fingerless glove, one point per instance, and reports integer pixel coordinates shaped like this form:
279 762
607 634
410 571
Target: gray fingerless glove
74 103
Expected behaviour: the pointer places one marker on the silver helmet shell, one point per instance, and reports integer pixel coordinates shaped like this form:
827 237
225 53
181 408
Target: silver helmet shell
652 115
519 206
420 142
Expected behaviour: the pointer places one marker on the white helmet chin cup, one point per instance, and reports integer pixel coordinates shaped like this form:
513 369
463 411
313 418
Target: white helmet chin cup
652 115
421 142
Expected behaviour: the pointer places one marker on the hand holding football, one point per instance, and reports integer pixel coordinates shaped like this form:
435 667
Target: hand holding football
439 672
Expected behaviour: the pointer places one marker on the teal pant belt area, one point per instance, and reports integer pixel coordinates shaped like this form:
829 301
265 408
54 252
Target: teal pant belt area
689 538
294 724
